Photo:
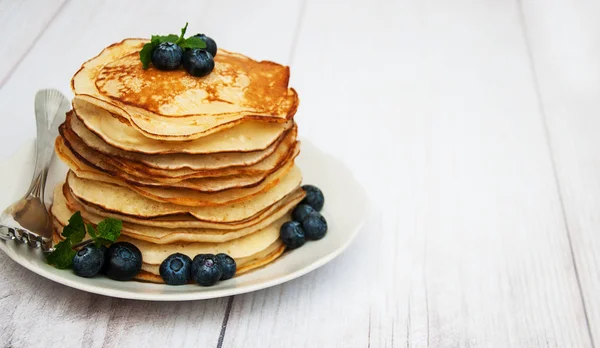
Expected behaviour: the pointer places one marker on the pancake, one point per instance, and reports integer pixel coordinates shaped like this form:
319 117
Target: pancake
129 170
62 210
192 198
150 272
242 247
172 105
211 184
175 161
184 221
117 131
124 201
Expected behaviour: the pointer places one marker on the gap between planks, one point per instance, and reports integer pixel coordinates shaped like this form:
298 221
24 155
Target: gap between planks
543 120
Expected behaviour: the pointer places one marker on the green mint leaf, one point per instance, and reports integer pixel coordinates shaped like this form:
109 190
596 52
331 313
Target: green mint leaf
62 256
193 42
146 54
166 38
91 231
75 229
181 38
110 229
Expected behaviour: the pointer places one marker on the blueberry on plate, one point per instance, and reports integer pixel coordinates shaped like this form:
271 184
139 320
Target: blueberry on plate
88 261
292 234
206 269
176 269
314 197
211 45
124 261
314 226
228 266
198 62
167 56
301 211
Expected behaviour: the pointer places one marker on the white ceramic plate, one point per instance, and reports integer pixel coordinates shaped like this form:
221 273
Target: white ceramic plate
346 209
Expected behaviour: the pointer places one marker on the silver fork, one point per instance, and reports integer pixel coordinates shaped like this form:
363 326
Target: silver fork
27 220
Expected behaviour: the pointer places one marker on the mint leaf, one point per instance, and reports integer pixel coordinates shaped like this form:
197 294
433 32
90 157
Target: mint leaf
63 254
146 54
181 37
105 233
166 38
109 229
91 231
193 42
74 232
75 229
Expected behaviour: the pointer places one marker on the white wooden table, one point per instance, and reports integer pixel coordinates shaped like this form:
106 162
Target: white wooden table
474 126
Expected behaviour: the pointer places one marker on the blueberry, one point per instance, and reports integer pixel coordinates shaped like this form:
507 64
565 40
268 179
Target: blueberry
206 269
124 261
176 269
292 234
228 266
301 211
314 226
167 56
198 62
314 197
211 45
88 261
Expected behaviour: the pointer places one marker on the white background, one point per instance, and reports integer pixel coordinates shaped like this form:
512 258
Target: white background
474 126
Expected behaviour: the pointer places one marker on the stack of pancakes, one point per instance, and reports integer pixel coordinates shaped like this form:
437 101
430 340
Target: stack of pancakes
190 165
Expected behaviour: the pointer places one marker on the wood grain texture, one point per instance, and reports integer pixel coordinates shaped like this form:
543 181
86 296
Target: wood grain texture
434 108
37 312
564 39
22 23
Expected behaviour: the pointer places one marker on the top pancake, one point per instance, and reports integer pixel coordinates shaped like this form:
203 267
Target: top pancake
173 105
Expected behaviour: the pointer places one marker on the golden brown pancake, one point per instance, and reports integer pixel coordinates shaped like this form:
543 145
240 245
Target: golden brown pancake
190 165
125 201
175 161
130 170
172 105
150 272
210 184
244 266
117 131
192 198
180 221
62 209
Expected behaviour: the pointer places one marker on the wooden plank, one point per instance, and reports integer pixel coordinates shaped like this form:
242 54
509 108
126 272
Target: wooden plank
564 38
22 23
433 107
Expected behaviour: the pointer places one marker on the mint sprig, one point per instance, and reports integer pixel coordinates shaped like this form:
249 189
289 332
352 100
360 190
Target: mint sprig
155 40
105 233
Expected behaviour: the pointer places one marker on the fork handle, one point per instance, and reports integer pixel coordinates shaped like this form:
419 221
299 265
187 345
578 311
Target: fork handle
43 147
